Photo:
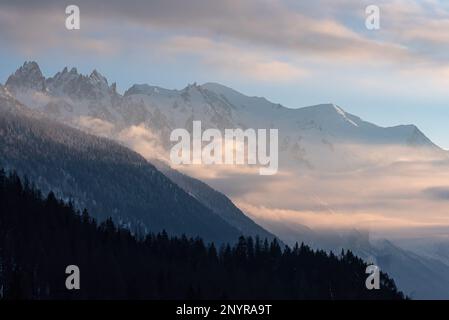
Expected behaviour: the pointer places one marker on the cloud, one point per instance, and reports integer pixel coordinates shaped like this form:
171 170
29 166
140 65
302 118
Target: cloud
141 139
438 193
95 126
268 42
334 31
331 221
231 59
32 30
389 199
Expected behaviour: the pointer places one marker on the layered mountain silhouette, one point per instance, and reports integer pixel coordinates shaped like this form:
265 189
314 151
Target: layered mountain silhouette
321 138
308 138
41 235
109 179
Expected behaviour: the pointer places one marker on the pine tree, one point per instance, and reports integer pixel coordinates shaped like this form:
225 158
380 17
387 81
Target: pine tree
40 237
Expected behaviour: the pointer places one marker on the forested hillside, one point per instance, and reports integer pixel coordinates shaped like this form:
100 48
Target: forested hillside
40 236
104 177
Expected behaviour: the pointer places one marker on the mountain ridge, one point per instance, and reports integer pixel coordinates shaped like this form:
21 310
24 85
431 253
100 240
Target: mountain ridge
32 70
42 149
308 136
321 138
79 166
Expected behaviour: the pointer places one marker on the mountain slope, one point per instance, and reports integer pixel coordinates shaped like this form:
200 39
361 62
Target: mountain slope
418 276
104 177
48 236
330 161
71 93
308 137
215 201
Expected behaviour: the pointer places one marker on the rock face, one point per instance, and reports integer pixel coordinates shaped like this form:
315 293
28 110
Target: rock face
322 137
110 180
321 141
27 77
104 177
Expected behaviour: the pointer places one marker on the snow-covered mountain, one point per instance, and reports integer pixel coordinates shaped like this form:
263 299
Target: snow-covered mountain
28 77
122 185
110 180
308 137
335 168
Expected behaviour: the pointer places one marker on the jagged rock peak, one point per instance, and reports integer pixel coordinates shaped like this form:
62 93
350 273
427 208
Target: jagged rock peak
97 77
28 76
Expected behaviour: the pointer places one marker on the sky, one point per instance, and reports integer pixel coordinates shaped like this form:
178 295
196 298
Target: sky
296 53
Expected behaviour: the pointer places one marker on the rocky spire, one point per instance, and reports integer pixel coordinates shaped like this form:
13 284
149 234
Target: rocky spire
28 76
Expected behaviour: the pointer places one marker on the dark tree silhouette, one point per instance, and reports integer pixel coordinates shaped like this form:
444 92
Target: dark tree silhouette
39 237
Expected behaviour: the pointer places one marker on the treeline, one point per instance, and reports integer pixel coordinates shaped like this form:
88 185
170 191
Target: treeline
40 236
